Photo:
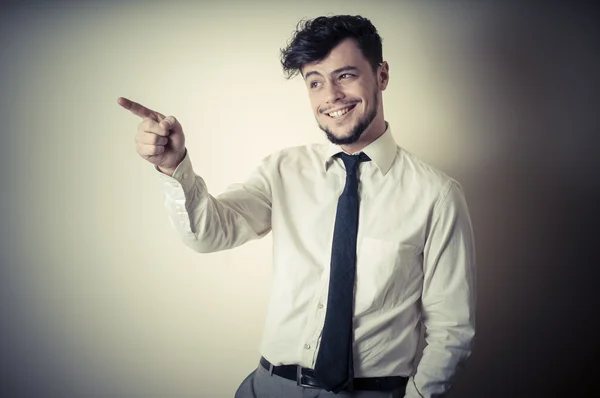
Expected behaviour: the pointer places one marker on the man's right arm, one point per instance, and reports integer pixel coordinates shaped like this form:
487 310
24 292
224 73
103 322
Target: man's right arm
205 223
208 223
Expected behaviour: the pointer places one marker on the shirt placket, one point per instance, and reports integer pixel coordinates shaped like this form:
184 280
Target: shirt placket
312 335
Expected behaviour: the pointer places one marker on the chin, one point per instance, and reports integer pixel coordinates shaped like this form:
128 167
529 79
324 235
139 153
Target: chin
337 131
340 134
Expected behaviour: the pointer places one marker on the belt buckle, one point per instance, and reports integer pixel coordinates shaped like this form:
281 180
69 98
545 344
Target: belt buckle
299 376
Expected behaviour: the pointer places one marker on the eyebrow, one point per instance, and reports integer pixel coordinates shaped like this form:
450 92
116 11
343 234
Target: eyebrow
335 72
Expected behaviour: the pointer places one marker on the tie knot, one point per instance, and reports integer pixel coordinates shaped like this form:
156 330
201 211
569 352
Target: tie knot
351 161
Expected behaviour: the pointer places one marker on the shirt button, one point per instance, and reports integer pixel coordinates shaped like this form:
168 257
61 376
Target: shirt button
320 306
307 346
185 175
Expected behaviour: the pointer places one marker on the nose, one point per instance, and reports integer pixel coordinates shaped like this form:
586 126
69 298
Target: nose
333 93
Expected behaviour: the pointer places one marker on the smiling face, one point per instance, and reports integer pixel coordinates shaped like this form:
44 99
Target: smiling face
345 94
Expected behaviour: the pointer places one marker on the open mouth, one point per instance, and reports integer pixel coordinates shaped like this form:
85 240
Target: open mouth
341 112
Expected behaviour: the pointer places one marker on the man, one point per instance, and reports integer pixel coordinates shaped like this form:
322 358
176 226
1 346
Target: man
369 241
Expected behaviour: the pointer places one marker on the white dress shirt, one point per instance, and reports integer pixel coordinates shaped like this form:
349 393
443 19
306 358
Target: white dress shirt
415 255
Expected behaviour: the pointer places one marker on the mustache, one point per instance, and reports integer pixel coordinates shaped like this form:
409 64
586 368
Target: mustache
344 104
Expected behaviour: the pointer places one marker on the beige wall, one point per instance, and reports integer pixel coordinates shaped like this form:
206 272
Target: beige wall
98 293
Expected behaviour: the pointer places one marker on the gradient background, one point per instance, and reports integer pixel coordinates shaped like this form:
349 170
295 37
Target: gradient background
98 298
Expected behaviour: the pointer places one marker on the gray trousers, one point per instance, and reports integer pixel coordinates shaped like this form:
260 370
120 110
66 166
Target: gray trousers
261 384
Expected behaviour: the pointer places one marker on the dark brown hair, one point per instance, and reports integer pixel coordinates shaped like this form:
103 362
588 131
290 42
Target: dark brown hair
314 39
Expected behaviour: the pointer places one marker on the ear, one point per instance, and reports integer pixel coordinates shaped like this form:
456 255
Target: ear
383 75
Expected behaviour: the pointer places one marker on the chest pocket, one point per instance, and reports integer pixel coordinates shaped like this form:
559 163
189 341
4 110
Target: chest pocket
383 269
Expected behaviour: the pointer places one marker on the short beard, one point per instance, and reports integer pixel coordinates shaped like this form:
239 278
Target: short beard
358 129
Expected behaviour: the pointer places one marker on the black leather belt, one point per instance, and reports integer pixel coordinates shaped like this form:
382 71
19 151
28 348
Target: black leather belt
306 378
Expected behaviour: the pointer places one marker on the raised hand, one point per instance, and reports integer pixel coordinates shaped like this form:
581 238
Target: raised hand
159 140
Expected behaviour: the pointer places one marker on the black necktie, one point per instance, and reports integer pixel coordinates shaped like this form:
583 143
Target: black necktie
335 367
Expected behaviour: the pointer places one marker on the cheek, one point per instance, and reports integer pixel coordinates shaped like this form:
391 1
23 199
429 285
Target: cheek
315 107
315 102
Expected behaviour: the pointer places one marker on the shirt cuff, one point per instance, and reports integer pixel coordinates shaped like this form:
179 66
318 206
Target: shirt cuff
183 176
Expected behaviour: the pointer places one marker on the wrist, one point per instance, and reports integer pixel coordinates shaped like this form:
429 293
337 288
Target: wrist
169 170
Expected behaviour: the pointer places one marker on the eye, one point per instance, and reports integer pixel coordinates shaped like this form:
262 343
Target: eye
314 84
346 75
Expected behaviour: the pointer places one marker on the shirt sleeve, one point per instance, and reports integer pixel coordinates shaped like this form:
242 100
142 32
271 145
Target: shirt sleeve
208 223
448 298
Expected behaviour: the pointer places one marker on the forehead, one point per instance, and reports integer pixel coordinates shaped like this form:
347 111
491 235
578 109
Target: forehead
347 53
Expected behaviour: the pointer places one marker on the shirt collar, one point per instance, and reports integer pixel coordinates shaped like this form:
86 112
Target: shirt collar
382 151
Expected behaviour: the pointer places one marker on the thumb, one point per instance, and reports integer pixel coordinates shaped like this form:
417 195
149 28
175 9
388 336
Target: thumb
171 123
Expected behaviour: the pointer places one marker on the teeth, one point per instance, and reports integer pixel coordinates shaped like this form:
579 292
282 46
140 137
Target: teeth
339 113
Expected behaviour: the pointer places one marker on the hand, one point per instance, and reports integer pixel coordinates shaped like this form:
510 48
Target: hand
160 140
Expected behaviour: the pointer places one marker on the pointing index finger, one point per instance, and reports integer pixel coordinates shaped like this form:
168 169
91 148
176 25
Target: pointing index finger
139 110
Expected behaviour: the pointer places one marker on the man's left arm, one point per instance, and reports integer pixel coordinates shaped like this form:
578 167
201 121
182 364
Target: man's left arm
448 298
